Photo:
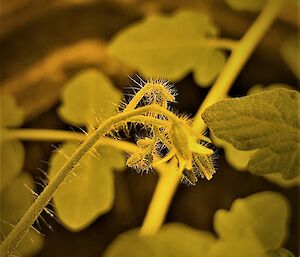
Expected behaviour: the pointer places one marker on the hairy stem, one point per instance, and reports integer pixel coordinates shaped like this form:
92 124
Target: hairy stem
10 243
167 185
148 120
137 97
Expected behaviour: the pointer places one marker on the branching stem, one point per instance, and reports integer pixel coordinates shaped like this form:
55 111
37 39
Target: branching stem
168 181
15 236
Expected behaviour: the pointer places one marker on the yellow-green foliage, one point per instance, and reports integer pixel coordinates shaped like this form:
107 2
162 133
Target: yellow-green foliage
81 171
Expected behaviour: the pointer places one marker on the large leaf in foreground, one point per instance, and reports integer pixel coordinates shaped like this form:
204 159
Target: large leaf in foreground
239 159
172 240
268 121
15 199
261 217
89 98
88 191
252 226
170 46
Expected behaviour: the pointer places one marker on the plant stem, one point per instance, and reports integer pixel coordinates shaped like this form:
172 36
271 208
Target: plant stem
14 237
149 120
163 194
239 57
167 185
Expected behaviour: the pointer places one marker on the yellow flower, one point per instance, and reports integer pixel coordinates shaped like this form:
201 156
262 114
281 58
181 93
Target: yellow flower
193 157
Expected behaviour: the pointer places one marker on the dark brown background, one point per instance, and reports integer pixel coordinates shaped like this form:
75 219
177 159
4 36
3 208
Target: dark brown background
44 43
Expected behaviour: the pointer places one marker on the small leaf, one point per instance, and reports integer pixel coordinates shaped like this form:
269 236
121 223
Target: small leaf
290 52
281 252
172 240
12 156
87 97
170 47
11 115
266 121
88 191
263 217
15 199
246 5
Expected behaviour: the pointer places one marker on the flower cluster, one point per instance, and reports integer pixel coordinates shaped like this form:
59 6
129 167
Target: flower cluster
168 131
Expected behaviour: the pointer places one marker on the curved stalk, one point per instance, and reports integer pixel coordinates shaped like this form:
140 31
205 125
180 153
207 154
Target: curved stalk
148 120
15 236
166 186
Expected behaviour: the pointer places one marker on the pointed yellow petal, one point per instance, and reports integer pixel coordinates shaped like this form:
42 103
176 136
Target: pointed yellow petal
200 149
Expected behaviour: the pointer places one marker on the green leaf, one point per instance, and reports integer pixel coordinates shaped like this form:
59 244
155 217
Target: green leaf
266 121
281 252
246 5
12 156
262 217
239 159
172 240
290 52
10 114
88 191
238 247
15 200
89 97
170 46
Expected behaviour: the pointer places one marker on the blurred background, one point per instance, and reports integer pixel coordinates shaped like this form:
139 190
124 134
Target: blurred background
44 43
